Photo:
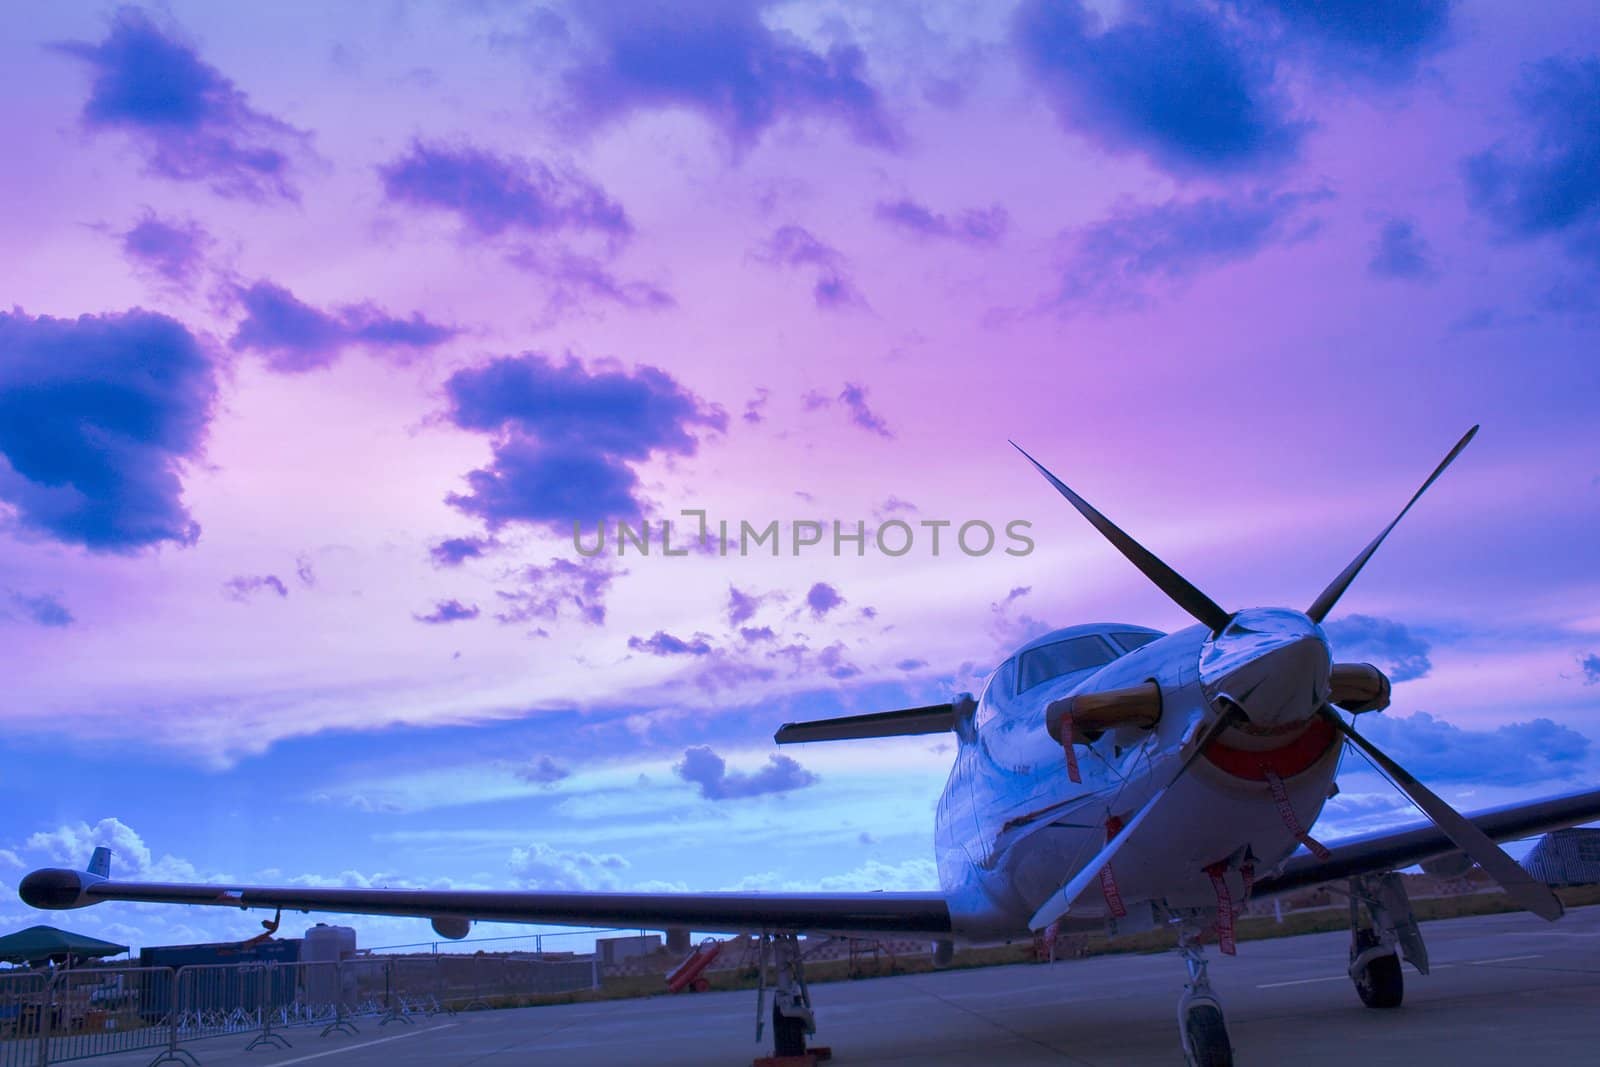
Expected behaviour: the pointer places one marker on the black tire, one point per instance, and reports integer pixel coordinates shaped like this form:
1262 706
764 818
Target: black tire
1381 984
788 1034
1208 1038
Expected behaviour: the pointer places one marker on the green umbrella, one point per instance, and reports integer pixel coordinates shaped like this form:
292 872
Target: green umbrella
47 943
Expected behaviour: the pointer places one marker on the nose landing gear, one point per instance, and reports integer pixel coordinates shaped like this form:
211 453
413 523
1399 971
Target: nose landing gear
1200 1023
1376 949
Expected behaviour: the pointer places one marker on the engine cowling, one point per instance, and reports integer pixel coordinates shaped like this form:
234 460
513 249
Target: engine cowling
450 926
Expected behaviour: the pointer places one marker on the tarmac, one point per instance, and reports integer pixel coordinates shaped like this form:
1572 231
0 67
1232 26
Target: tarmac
1504 989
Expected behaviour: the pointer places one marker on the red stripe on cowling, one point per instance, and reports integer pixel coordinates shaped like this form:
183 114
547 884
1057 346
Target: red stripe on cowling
1285 761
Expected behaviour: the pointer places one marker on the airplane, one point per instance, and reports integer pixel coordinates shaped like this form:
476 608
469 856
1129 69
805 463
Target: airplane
1110 777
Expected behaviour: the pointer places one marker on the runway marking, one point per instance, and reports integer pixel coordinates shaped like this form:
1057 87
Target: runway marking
1506 959
1303 981
341 1050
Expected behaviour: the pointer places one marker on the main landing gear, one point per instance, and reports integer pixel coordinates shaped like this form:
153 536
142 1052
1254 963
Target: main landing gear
1376 949
1200 1023
792 1018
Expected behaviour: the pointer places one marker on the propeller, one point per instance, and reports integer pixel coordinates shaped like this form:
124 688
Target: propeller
1358 687
1518 884
1176 586
1330 596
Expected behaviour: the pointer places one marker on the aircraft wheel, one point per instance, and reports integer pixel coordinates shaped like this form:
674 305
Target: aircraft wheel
700 985
788 1034
1208 1038
1380 983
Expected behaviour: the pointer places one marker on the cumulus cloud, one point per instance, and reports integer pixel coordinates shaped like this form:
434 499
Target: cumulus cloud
702 767
1400 252
294 337
98 416
1544 181
854 399
72 844
1590 666
565 437
909 876
795 246
244 586
1169 79
754 407
42 609
448 611
822 598
1010 623
1399 651
1519 753
541 867
976 226
189 120
493 195
720 60
550 591
174 249
1118 261
662 643
454 551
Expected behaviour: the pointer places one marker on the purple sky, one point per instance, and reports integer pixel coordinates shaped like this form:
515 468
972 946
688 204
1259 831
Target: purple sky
327 322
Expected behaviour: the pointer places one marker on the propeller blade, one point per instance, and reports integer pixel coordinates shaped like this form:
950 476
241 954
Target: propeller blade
1330 596
1059 903
1169 581
1519 885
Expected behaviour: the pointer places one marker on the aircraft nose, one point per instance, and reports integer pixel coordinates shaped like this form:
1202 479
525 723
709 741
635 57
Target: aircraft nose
1275 666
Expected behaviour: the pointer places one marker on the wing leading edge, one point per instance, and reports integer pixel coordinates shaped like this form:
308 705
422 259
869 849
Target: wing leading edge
1393 849
920 913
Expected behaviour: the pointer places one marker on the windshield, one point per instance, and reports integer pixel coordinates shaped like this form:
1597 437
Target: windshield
1038 665
1131 641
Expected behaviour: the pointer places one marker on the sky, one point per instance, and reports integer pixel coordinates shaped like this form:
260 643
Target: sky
329 323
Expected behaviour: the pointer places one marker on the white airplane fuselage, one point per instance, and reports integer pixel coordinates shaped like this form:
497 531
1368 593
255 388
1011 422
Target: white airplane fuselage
1013 828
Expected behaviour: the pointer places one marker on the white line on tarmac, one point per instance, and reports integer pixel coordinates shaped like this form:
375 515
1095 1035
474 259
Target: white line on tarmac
342 1049
1303 981
1506 959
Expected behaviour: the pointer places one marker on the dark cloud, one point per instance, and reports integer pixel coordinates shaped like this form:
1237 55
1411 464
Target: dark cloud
1380 40
978 226
1400 252
755 406
704 768
449 611
1401 653
742 606
191 122
454 551
795 246
751 634
1591 668
822 598
565 436
41 610
721 60
245 586
854 398
662 643
550 591
1010 624
911 664
542 771
1116 262
1545 182
294 337
493 195
171 248
304 571
1172 80
1519 753
833 663
97 416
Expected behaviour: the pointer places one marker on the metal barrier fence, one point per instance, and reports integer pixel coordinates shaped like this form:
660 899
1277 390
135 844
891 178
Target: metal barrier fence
49 1018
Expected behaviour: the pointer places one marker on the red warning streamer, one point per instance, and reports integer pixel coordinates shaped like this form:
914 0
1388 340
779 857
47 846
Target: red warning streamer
1225 940
1280 797
1108 881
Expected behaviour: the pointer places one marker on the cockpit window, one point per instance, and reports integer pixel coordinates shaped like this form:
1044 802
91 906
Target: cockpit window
1038 665
1133 640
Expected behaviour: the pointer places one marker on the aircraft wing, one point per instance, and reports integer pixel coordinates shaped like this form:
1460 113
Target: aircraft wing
1393 849
919 913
